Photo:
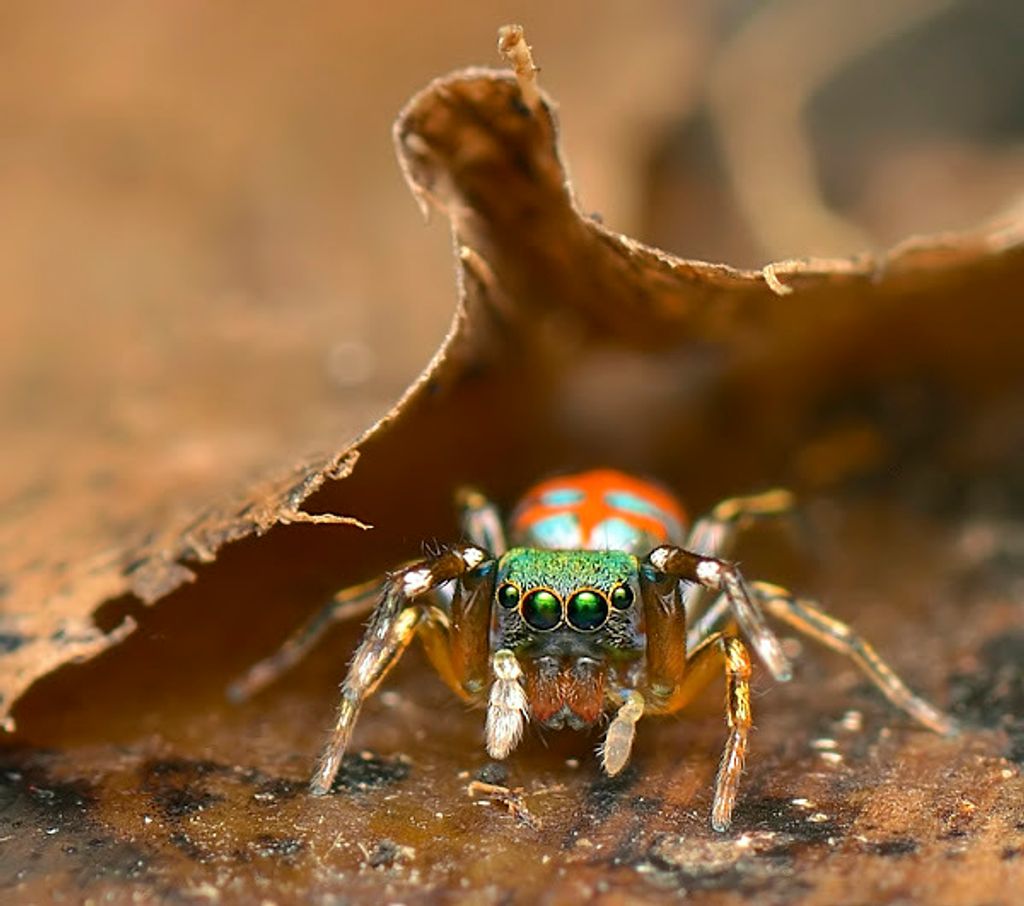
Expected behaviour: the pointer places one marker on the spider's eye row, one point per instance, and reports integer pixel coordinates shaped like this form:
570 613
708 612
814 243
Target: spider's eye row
587 610
542 609
622 597
508 595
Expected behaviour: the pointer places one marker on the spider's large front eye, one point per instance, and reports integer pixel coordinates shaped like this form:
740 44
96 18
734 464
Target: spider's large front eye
587 610
542 609
508 595
622 597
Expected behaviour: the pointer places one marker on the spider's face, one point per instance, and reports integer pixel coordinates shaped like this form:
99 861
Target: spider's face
573 620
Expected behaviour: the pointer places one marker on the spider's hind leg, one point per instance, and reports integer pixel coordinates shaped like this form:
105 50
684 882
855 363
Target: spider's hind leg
716 533
808 618
481 521
349 604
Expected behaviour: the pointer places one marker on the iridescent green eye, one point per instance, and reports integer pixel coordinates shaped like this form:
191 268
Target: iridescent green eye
508 596
587 610
622 597
542 610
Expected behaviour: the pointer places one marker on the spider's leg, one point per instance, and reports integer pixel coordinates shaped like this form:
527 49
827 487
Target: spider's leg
345 605
716 652
808 618
481 521
715 534
391 627
674 678
720 575
708 622
665 625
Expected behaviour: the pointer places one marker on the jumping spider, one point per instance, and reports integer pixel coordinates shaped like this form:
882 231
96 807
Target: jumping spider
585 613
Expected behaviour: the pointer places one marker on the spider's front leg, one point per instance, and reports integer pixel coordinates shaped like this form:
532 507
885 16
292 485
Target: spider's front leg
455 638
673 678
714 574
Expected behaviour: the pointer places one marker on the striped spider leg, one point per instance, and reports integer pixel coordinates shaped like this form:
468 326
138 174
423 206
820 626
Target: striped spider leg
714 535
481 525
720 575
454 633
810 619
349 604
673 677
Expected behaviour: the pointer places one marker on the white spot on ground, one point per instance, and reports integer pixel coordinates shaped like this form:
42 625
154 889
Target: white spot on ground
852 721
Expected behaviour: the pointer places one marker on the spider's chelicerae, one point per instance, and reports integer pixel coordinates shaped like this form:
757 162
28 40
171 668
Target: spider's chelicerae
578 608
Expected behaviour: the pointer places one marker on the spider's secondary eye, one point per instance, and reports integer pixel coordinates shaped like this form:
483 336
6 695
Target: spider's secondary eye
587 610
542 610
622 597
508 596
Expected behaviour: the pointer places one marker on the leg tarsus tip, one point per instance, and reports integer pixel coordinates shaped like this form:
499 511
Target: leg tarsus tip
317 788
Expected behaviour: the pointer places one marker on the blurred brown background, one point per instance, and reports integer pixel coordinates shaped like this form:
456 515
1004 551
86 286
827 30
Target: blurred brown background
210 264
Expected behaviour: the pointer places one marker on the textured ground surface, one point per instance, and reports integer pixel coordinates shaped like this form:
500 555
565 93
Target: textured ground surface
158 789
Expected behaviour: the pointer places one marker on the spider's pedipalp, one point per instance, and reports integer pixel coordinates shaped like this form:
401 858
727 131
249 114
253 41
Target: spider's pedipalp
618 741
507 707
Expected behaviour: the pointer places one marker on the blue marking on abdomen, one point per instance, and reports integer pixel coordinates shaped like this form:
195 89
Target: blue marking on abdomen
631 503
561 497
616 535
624 500
558 532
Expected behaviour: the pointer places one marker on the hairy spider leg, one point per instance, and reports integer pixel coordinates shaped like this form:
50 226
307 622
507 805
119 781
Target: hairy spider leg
675 677
345 605
714 535
481 520
405 606
808 617
726 652
715 574
482 526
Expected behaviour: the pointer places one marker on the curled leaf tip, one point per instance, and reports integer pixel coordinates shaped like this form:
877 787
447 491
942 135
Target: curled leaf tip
771 277
513 47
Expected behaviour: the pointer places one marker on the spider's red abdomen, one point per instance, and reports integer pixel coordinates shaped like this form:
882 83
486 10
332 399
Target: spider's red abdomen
598 510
